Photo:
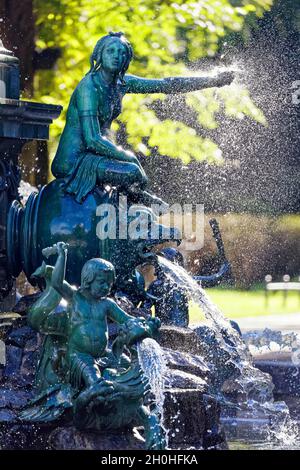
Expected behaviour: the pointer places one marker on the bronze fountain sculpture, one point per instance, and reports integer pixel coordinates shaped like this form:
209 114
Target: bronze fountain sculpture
80 374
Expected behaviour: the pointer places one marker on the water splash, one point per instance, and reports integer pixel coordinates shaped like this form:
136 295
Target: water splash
196 293
283 429
25 189
153 364
254 388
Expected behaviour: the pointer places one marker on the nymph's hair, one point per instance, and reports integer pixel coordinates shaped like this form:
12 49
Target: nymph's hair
92 268
96 57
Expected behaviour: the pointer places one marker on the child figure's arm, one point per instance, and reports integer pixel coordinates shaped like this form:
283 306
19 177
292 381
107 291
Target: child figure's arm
116 313
58 276
133 329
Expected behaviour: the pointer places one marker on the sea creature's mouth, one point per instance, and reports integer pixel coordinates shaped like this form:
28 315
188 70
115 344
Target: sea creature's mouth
145 250
39 272
150 249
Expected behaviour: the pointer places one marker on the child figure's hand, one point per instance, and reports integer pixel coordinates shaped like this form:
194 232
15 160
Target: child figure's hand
61 247
154 324
156 321
56 249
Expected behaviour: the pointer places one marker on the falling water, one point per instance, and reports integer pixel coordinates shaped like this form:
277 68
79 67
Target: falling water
271 418
152 361
197 294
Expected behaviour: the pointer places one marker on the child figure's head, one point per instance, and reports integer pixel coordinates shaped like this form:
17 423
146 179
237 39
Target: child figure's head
97 277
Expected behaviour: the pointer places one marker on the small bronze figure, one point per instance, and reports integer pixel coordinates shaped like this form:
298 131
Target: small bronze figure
103 387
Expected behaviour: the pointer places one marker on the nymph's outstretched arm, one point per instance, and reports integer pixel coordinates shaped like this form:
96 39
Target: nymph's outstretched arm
174 85
58 276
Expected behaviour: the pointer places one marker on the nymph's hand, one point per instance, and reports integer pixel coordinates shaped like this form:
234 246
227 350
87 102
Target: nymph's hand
224 78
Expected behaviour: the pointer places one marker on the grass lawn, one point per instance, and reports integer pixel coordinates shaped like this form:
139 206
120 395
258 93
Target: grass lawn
241 303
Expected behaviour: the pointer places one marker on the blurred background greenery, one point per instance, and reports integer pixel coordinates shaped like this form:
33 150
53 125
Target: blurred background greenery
235 303
168 38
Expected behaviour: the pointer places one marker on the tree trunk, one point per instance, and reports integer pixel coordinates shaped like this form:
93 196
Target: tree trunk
17 31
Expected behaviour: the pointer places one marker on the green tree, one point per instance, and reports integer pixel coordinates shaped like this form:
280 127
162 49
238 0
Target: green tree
167 37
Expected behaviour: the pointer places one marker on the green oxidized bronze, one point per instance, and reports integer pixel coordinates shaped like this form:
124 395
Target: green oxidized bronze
79 376
52 216
85 163
86 156
101 388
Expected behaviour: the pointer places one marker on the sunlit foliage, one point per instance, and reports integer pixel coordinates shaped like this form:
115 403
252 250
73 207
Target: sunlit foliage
166 36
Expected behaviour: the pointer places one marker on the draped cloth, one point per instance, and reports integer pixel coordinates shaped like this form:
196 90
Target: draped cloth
83 178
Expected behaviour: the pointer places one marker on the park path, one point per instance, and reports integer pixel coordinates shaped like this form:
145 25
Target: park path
283 322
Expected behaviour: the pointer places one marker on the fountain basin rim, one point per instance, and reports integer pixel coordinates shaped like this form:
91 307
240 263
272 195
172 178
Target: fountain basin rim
273 357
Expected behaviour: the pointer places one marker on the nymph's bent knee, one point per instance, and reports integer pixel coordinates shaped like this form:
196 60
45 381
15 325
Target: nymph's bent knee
127 174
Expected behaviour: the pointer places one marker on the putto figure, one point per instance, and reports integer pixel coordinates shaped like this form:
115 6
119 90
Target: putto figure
86 157
104 387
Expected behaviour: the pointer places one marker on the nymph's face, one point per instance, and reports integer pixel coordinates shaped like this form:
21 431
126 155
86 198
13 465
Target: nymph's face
113 55
101 285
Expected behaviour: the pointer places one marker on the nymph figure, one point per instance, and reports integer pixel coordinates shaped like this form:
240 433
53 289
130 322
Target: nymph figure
86 157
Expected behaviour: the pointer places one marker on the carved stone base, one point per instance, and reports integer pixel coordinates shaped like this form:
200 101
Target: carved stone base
70 439
33 437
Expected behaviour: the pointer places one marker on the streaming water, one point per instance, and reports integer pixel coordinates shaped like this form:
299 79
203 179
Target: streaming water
261 416
152 361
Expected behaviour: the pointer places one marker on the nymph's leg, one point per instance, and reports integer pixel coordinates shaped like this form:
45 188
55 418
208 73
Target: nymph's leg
131 178
121 174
